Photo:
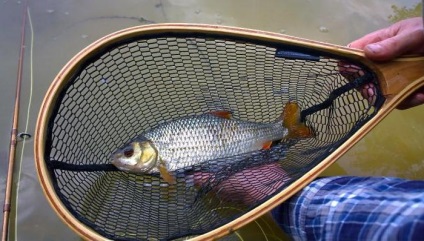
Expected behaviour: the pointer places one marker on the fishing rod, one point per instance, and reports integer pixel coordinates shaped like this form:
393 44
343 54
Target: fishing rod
14 131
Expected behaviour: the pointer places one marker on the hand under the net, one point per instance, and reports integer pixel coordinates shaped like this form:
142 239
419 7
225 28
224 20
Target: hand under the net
247 186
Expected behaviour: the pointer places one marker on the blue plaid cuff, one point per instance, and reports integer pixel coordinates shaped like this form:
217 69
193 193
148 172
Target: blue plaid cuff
355 208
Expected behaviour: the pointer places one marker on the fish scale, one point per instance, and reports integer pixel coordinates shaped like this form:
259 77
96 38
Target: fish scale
196 139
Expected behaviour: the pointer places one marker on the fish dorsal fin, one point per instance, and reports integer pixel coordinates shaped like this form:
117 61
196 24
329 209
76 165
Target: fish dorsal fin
222 113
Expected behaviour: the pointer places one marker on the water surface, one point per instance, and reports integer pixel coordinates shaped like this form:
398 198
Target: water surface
62 28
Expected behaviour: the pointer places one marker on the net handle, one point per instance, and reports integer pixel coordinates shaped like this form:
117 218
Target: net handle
396 75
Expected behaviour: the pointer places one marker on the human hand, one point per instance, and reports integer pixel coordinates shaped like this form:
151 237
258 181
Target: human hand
248 186
404 37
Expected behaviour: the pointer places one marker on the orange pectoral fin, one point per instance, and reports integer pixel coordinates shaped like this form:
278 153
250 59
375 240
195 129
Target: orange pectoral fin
291 121
267 145
168 177
222 113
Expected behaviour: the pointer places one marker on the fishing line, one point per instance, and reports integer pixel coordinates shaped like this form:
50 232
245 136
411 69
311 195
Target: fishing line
255 221
31 78
239 236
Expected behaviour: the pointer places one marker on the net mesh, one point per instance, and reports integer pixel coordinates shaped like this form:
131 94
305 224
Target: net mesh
131 86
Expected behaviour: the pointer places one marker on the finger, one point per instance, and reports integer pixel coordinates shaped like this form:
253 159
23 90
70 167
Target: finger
368 91
401 38
370 38
200 178
393 47
247 186
417 98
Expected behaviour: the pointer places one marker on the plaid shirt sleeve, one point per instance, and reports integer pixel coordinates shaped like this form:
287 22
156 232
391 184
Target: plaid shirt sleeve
355 208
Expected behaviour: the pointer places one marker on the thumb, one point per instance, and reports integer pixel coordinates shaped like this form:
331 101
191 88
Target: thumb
391 48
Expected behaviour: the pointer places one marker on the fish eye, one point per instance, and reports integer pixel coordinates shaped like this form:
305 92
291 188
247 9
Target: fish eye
128 152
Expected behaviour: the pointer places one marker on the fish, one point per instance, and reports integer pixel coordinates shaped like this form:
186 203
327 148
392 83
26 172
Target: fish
196 139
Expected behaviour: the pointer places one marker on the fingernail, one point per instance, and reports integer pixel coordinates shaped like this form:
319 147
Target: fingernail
374 48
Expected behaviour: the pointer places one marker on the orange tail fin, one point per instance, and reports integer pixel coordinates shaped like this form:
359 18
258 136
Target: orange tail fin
291 121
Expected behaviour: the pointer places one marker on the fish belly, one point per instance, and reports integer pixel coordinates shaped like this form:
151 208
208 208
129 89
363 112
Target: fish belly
194 140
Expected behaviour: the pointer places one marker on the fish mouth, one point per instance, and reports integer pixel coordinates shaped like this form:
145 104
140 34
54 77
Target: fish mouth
136 169
118 165
115 158
122 168
114 161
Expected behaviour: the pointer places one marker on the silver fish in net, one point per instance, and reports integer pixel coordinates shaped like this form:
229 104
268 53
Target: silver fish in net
197 139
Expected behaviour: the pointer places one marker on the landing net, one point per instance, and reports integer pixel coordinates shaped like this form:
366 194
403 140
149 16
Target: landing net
128 86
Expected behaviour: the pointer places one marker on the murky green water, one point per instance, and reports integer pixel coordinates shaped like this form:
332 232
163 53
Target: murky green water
63 28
